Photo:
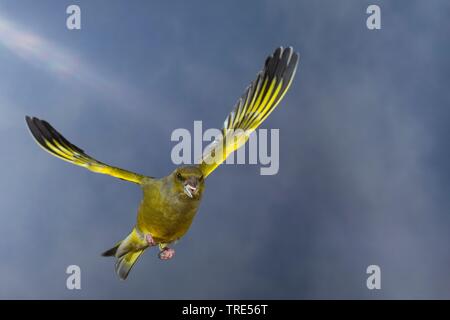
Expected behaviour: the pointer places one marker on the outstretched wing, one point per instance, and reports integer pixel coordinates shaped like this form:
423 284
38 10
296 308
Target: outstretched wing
54 143
255 105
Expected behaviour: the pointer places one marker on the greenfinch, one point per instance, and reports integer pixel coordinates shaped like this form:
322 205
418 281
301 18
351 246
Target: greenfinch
170 204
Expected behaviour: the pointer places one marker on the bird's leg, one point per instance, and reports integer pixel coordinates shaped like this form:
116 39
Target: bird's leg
165 253
149 240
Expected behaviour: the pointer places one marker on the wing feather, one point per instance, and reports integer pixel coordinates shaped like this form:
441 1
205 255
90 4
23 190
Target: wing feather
53 142
253 107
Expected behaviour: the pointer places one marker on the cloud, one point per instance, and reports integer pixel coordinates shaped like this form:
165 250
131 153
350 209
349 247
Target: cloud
363 178
58 60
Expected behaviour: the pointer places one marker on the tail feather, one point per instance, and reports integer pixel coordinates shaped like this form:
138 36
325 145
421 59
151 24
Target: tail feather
111 252
127 252
126 262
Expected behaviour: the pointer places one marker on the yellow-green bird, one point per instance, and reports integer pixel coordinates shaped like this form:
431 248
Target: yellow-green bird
169 204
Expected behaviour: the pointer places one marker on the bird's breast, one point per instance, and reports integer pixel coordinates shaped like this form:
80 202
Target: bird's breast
166 217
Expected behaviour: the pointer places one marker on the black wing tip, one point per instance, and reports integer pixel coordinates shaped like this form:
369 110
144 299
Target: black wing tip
42 129
291 57
34 129
289 49
42 132
281 62
280 51
29 120
33 124
32 119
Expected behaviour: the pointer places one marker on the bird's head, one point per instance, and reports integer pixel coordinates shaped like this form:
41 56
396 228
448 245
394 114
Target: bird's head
188 180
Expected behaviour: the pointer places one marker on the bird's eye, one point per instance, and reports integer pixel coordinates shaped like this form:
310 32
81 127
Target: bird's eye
179 176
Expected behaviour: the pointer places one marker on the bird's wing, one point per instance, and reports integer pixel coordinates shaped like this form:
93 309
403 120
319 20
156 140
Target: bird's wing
255 105
54 143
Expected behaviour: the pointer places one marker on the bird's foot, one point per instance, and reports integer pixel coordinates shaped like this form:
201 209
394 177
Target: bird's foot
149 239
166 253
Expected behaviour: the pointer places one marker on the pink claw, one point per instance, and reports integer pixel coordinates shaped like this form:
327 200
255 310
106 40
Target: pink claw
166 254
149 239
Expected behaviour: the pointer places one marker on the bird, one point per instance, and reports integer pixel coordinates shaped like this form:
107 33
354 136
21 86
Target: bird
169 204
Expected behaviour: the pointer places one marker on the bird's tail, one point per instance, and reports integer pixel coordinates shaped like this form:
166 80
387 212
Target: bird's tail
127 253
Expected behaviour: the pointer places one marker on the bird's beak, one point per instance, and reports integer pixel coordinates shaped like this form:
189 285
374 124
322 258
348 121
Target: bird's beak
190 189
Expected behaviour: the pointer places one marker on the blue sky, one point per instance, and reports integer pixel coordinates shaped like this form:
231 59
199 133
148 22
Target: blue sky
364 173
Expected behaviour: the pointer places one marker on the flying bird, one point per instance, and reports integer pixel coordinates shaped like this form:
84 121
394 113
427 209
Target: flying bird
169 204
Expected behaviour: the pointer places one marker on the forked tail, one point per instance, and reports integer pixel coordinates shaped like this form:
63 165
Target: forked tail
127 253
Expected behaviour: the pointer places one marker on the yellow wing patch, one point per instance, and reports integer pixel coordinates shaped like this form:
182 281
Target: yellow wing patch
255 105
54 143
